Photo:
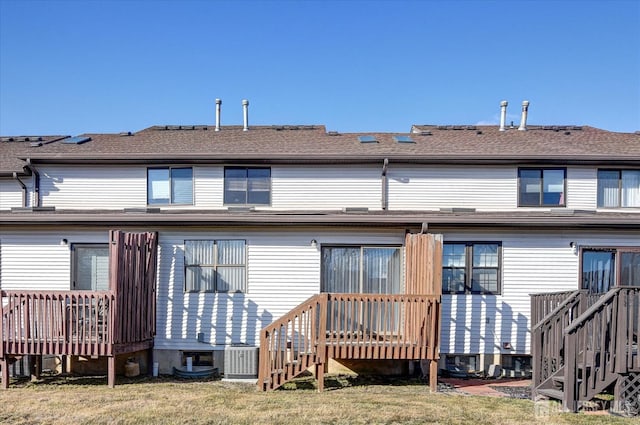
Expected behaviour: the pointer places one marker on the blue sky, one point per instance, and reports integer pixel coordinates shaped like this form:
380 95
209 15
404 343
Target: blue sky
70 67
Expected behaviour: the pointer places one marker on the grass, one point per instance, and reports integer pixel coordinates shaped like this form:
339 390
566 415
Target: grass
165 400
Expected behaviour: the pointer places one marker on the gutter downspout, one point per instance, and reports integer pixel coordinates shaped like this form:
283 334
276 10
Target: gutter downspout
384 201
23 189
36 183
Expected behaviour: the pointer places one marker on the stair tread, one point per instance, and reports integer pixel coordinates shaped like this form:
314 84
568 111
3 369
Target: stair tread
557 394
560 378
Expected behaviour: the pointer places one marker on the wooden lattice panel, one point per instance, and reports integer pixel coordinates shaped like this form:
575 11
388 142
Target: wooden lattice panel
628 394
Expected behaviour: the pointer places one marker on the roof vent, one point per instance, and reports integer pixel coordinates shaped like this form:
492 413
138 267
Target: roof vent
78 140
355 210
367 139
403 139
425 133
333 133
245 114
35 144
125 134
503 115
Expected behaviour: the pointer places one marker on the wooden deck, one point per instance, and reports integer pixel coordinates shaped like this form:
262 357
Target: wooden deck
586 344
87 323
360 326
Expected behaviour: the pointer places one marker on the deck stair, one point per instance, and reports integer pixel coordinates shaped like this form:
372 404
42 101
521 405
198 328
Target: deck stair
586 344
360 326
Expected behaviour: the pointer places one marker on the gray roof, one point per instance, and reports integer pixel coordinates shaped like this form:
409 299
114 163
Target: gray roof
313 144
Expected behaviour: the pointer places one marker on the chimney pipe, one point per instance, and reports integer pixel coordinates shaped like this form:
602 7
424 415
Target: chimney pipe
523 121
503 114
218 108
245 110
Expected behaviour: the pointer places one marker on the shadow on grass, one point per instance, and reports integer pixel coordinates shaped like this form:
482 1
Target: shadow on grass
337 382
99 380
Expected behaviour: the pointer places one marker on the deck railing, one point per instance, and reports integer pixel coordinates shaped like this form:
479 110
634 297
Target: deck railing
57 323
348 326
600 345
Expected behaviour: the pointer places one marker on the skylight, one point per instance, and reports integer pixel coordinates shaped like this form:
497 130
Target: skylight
403 139
367 139
76 140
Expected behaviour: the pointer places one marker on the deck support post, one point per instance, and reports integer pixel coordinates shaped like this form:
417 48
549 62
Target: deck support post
35 366
63 364
320 376
4 364
111 372
433 375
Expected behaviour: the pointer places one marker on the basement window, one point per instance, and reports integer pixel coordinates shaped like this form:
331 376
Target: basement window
198 358
461 363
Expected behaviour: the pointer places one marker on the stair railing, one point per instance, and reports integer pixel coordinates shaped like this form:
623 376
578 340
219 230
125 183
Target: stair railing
599 345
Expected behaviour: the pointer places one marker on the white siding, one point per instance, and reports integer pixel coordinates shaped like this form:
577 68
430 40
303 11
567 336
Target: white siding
208 187
582 188
93 187
532 263
283 270
38 260
11 193
321 188
431 188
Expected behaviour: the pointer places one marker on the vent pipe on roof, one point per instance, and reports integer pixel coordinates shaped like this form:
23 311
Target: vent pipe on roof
523 120
503 114
245 112
218 108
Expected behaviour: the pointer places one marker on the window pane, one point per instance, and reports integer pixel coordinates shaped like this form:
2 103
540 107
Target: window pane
198 252
598 271
340 269
235 185
485 255
182 186
608 191
231 252
259 186
199 279
453 280
231 279
630 188
530 182
92 268
158 186
630 269
381 271
553 187
484 280
453 255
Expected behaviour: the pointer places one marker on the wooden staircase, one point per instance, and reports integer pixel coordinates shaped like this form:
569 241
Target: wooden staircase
348 326
361 326
585 345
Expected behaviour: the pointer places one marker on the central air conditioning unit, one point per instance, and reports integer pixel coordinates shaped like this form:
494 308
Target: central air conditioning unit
241 362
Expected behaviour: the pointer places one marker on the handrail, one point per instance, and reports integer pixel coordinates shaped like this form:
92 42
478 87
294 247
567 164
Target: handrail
558 308
579 321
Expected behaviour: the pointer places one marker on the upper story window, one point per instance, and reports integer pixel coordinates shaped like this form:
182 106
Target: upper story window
618 188
541 187
215 265
247 186
168 185
471 268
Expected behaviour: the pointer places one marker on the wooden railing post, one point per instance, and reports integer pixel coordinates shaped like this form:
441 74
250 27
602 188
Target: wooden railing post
570 373
321 351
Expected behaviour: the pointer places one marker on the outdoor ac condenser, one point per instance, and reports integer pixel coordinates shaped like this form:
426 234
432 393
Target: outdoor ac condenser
241 362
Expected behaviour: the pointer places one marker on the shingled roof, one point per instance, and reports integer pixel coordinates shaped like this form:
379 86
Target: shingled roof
313 144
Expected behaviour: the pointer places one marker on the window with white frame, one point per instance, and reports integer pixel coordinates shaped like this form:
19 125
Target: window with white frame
471 267
169 185
215 265
247 186
364 269
618 188
541 187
